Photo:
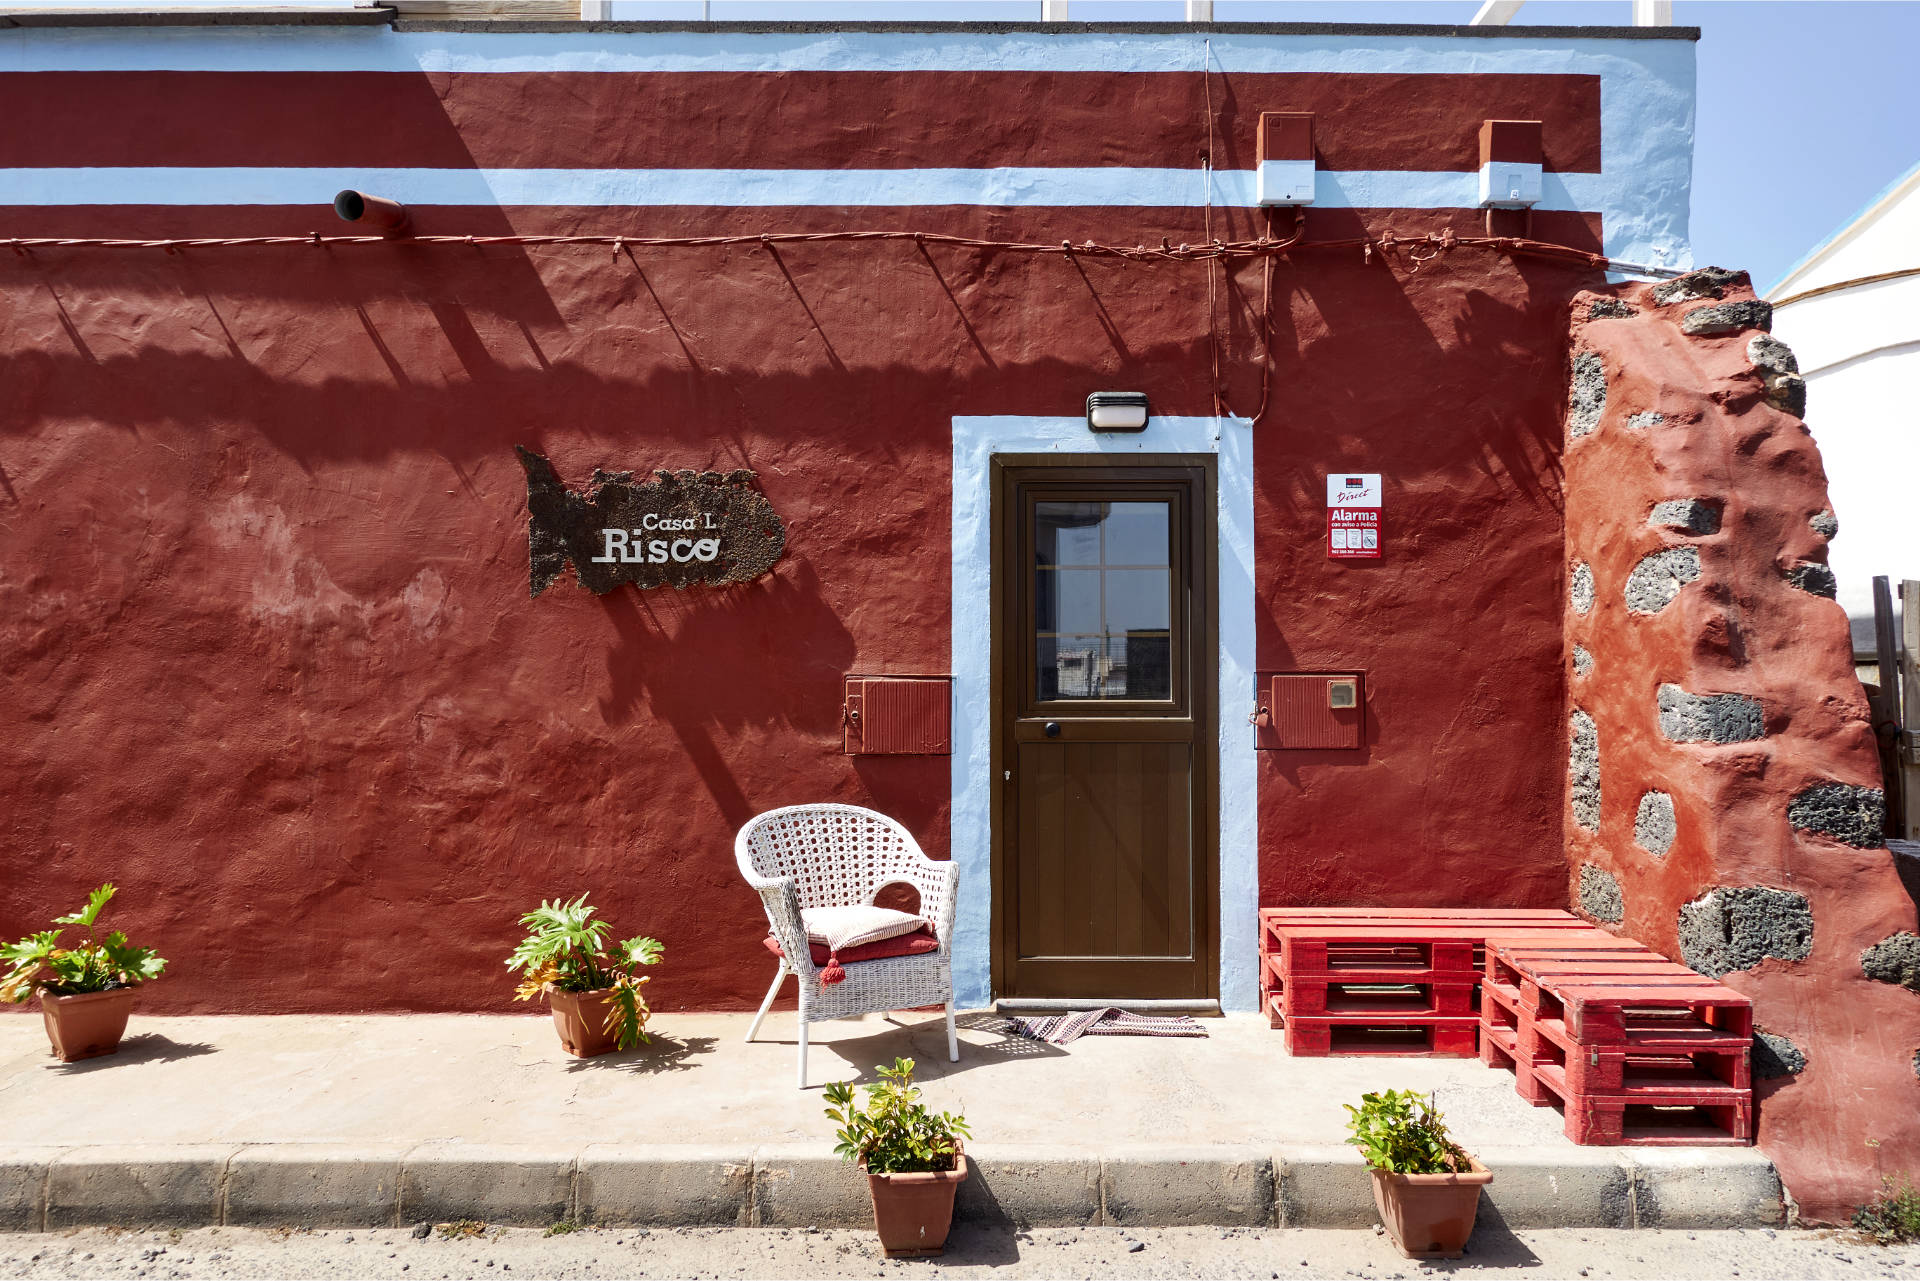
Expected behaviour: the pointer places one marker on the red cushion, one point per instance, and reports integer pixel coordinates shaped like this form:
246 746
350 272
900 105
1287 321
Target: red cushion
917 943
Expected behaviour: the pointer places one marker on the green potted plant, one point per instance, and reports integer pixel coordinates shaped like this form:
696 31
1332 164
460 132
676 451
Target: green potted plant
86 992
1426 1186
912 1158
592 988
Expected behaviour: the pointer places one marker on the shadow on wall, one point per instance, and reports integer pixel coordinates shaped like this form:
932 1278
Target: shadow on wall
667 655
1367 345
357 355
363 404
1906 862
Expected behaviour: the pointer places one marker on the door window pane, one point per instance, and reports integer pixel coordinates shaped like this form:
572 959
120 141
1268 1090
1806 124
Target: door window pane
1103 599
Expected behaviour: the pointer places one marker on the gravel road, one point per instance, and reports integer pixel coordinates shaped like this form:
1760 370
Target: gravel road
1101 1253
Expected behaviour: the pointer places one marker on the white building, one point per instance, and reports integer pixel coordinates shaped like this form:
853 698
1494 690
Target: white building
1851 312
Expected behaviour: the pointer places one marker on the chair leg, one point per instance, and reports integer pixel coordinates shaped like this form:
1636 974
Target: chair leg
779 977
803 1049
953 1039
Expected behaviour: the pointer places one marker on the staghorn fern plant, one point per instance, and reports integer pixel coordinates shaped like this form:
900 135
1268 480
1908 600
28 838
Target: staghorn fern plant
569 949
96 965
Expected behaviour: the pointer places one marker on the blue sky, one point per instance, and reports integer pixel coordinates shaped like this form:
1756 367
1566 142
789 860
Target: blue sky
1808 108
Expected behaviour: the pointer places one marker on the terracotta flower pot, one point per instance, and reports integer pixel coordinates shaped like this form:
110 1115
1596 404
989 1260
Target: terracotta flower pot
1430 1216
581 1020
87 1024
914 1212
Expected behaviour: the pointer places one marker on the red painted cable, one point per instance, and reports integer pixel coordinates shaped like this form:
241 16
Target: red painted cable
1419 248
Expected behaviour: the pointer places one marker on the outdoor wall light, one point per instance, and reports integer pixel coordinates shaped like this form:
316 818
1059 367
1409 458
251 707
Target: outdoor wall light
375 211
1117 411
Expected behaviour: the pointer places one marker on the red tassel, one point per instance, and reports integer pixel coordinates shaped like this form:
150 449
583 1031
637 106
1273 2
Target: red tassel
835 972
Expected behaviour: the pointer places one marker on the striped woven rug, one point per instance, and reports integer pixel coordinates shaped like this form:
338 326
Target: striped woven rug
1064 1029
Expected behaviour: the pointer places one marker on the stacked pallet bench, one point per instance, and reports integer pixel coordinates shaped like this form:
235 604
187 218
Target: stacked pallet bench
1633 1048
1382 980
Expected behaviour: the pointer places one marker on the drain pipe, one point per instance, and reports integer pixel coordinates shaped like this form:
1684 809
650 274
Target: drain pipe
374 211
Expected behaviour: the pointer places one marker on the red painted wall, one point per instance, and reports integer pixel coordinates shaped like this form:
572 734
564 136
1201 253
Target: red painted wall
1448 384
1853 1114
268 656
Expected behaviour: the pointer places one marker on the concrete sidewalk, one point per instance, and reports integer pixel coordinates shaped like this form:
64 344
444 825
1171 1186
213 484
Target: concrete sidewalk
378 1120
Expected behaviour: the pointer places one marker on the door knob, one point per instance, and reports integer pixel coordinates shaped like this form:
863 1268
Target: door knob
1053 729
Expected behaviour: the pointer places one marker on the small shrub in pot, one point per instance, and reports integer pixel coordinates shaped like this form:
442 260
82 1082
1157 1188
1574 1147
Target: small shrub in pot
86 991
592 985
1425 1185
912 1158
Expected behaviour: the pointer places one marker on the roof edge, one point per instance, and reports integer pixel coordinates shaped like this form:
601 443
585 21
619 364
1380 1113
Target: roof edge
1074 28
379 15
262 16
1845 231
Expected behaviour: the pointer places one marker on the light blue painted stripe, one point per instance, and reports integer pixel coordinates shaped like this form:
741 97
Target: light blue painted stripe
1646 86
379 49
757 188
976 440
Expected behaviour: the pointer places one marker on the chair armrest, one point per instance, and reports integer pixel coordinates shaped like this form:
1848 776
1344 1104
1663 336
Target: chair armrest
782 903
938 885
939 896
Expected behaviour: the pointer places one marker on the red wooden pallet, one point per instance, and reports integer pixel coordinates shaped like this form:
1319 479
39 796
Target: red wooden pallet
1652 1113
1683 1066
1386 980
1633 1048
1596 1009
1331 948
1311 997
1501 1028
1595 948
1594 989
1383 1030
1421 913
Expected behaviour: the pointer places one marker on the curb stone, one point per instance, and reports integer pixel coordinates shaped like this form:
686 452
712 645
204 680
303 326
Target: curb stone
798 1185
1030 1186
1706 1188
664 1185
804 1184
1169 1187
315 1185
523 1185
23 1188
1585 1188
166 1186
1322 1186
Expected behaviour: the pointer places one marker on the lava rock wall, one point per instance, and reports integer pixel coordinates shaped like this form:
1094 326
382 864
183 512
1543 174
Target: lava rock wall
1724 800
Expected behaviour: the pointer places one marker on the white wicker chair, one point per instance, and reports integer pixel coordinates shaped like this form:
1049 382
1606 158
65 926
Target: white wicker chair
807 856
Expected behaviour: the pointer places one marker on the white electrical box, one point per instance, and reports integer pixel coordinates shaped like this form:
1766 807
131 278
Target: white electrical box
1510 184
1286 182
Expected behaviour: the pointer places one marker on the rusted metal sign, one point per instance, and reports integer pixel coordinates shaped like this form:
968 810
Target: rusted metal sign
678 529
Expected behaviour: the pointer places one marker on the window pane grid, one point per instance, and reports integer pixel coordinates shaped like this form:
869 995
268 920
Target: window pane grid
1103 599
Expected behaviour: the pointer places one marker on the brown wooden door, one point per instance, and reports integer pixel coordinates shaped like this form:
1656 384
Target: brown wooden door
1104 709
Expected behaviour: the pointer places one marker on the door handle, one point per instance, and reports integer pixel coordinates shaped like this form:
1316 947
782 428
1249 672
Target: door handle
1053 729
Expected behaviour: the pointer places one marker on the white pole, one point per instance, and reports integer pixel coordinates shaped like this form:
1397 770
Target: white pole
1053 10
1496 13
596 10
1199 10
1653 13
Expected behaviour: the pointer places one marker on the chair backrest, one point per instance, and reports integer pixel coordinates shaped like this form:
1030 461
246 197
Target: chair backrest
836 855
